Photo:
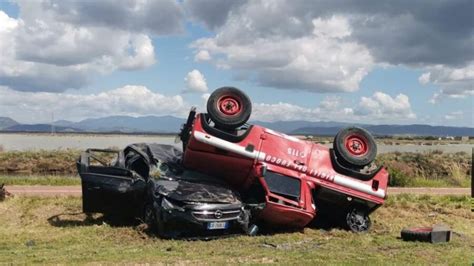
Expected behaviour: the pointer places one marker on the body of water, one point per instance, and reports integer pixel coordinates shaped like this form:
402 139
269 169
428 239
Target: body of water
22 142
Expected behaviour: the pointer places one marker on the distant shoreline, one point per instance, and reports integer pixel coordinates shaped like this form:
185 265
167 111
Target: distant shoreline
42 133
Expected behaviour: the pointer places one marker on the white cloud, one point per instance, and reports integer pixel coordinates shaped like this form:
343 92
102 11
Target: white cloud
454 82
325 60
142 53
454 115
381 106
205 96
58 45
287 112
36 107
202 55
436 98
282 112
195 82
424 78
154 17
334 27
396 32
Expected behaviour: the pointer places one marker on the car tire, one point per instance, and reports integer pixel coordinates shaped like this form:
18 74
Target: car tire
355 147
417 234
229 107
149 217
358 221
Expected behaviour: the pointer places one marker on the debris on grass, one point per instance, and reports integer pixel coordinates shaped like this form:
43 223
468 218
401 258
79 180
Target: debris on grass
4 193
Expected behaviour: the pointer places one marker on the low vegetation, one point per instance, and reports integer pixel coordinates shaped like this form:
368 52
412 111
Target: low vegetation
401 140
39 162
434 169
43 180
54 231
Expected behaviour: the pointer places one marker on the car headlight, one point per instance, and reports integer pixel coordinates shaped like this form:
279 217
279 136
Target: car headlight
167 205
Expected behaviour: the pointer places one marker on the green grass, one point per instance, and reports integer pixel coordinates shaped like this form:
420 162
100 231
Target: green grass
434 169
52 230
39 162
49 180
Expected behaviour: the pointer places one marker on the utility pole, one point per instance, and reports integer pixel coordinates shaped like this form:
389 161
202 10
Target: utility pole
52 123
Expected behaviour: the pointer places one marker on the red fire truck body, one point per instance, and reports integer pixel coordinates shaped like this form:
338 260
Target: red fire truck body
295 174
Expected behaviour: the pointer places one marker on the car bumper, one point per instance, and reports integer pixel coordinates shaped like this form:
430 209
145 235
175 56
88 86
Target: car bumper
179 223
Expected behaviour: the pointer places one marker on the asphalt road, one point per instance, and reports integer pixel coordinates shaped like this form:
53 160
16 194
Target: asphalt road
52 191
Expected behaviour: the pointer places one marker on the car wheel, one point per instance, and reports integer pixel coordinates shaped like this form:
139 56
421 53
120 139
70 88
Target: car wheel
358 221
149 217
229 107
355 146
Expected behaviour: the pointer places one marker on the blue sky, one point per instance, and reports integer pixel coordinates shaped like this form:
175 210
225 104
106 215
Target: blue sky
321 62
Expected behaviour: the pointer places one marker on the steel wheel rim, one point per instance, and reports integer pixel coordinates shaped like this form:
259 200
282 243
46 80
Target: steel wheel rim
229 105
356 145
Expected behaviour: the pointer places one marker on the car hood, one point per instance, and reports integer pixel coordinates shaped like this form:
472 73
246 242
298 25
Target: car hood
185 191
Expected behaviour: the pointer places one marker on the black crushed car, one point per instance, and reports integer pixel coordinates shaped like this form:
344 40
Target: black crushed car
147 181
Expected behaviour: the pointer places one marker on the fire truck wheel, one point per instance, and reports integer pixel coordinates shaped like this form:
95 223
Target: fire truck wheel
355 146
358 221
229 107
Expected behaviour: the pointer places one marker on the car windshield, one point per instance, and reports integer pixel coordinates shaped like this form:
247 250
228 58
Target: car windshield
163 170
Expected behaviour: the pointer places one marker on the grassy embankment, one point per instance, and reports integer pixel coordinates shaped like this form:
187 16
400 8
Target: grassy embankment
39 167
425 141
435 169
52 230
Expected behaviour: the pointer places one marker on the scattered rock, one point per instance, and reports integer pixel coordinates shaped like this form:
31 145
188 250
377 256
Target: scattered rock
30 243
305 244
4 193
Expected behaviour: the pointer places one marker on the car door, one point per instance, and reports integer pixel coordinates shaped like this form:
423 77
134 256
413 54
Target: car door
110 188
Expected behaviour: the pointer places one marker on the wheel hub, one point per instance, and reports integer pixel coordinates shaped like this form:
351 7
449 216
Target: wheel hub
229 105
356 145
357 221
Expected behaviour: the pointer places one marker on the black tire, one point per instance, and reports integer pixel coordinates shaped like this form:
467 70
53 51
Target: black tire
355 146
417 234
358 221
229 107
149 217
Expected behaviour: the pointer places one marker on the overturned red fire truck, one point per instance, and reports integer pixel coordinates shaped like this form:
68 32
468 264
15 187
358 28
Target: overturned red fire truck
295 179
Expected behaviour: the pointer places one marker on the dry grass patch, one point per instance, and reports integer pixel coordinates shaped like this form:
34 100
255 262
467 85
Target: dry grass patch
434 169
52 230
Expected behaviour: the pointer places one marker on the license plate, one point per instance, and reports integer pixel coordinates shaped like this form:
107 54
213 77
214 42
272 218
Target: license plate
217 225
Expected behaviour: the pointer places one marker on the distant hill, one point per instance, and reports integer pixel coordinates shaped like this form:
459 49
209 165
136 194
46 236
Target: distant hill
161 124
63 123
115 124
171 124
40 128
419 130
290 126
6 122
